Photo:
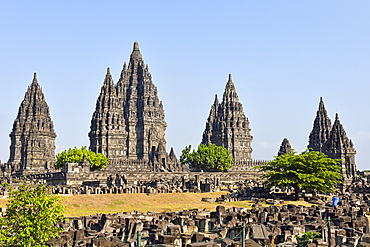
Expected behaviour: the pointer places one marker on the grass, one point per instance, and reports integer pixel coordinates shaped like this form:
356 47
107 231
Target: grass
80 205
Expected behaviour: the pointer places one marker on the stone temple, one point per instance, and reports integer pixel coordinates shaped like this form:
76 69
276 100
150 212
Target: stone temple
333 141
32 148
128 122
128 126
227 125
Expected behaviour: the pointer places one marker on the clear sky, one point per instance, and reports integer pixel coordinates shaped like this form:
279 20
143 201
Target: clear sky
283 56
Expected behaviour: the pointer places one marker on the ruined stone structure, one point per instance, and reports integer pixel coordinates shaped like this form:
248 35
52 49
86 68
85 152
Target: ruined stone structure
32 148
285 147
268 222
227 125
128 122
333 141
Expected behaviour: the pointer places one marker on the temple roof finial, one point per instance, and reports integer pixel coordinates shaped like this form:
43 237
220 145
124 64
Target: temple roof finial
230 77
136 46
34 81
108 71
136 55
336 116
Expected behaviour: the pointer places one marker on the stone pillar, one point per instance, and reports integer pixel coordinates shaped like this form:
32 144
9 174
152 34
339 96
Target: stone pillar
367 217
197 181
340 240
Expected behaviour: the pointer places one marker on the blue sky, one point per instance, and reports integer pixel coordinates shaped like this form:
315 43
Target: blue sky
283 56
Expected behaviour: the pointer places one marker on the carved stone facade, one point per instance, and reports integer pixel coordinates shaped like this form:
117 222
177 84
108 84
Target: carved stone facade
321 129
128 126
333 141
227 125
285 147
128 122
108 129
32 146
339 146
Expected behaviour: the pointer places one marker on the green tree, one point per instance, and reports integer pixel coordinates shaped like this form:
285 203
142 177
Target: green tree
31 216
75 155
208 157
307 238
310 170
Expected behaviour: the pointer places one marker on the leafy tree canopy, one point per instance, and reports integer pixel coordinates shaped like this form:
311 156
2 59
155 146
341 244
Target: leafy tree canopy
307 238
310 169
208 157
31 216
75 155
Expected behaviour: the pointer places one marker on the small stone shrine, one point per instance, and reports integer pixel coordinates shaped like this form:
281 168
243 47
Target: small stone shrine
285 147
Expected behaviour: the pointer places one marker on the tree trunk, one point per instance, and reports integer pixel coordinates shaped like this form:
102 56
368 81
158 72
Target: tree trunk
296 191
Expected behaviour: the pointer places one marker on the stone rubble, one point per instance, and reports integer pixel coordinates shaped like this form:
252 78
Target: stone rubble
264 225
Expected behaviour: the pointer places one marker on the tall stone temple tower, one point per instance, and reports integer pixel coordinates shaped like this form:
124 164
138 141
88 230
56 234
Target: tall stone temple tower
108 129
339 146
128 122
32 146
321 129
333 141
228 126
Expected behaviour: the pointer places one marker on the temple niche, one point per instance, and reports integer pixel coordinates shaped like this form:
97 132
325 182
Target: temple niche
227 125
129 121
32 148
333 141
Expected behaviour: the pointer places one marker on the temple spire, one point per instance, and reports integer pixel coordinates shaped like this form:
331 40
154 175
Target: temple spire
109 81
129 120
339 146
228 126
32 146
285 147
34 81
230 83
230 92
321 129
136 46
136 55
107 123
